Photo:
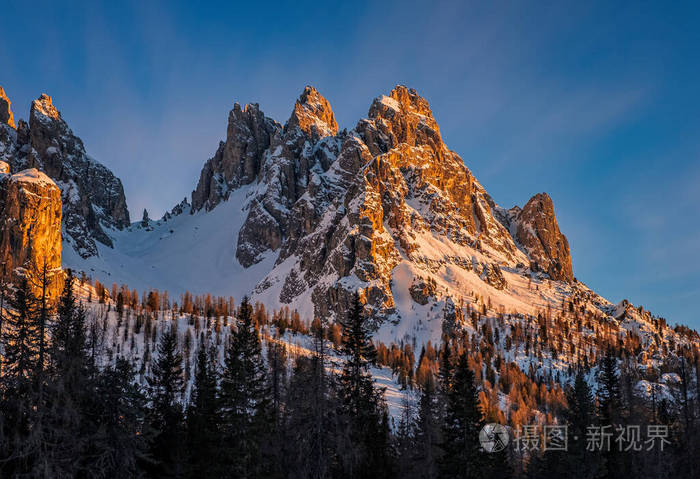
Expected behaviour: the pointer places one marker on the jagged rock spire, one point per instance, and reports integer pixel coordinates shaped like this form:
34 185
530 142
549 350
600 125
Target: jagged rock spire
402 117
93 198
353 205
538 232
5 110
44 106
405 99
313 115
238 160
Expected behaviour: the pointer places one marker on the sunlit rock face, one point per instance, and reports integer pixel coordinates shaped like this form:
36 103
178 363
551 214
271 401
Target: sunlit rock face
93 198
6 116
342 211
30 227
538 233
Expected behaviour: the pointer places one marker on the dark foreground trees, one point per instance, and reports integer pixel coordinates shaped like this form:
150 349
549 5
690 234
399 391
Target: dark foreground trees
270 413
60 416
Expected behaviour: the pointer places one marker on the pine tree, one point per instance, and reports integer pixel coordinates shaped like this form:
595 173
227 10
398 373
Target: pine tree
244 399
119 447
463 422
63 425
20 346
277 377
428 434
576 461
404 439
165 414
203 417
610 410
609 395
277 385
21 340
41 280
310 423
363 405
580 415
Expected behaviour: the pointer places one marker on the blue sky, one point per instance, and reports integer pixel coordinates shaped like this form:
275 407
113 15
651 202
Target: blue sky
595 103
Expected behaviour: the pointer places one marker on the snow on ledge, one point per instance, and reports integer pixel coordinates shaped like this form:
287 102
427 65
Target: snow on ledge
32 175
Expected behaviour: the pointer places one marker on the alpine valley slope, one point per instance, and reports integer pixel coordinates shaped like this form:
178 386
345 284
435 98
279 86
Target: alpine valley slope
304 215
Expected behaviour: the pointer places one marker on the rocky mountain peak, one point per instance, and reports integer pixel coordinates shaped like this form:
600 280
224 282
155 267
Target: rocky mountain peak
313 115
44 106
5 110
93 198
402 117
238 160
410 101
374 209
538 233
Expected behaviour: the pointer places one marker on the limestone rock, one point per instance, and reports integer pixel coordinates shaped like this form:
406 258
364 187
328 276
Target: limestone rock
340 210
239 159
294 164
313 115
422 290
493 275
93 198
30 226
538 233
6 116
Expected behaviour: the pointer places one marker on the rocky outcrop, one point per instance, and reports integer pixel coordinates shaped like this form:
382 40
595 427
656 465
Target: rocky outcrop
295 163
422 290
93 198
8 135
313 115
492 274
538 233
6 116
239 159
30 226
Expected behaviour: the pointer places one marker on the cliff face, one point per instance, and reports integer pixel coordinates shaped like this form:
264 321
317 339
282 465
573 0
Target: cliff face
296 158
344 211
93 198
30 225
538 233
238 160
6 116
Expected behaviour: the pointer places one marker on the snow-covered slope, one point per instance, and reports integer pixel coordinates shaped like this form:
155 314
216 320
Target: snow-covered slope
188 252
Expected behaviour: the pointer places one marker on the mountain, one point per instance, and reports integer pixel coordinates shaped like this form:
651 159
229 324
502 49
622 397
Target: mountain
387 208
93 198
303 215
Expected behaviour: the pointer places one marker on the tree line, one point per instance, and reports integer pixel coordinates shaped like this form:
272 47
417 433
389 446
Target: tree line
256 411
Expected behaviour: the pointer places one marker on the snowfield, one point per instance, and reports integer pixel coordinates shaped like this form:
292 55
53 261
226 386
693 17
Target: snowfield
188 252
